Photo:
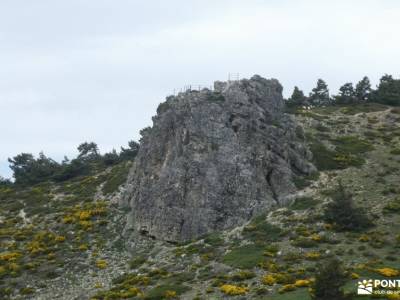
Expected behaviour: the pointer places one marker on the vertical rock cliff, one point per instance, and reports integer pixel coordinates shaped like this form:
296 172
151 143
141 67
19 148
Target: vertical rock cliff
213 159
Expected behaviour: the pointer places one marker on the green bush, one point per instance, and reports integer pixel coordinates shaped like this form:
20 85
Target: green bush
343 214
214 239
259 230
216 97
137 262
348 152
351 145
243 275
395 151
303 203
160 292
116 178
304 242
392 207
302 182
245 257
329 281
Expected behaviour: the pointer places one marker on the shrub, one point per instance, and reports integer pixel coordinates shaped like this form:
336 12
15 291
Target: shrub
392 207
323 157
216 97
244 257
351 145
243 275
163 107
137 262
214 239
302 283
329 281
164 291
305 243
260 230
233 290
342 212
303 203
287 288
268 279
302 182
313 255
387 272
347 153
395 151
101 264
116 178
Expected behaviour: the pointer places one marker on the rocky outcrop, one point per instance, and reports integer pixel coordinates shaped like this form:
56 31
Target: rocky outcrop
213 159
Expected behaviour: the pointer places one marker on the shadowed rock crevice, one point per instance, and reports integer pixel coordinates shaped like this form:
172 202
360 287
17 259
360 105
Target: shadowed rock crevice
213 159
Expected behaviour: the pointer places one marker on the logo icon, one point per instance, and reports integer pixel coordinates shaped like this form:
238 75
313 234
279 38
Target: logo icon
365 287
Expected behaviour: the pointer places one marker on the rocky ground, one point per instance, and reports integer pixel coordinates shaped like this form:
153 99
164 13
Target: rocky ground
65 241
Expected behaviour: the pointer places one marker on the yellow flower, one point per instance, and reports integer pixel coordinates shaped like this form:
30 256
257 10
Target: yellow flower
363 238
302 283
388 272
170 294
268 280
101 264
98 285
316 237
68 219
60 238
233 290
83 247
84 215
313 255
9 256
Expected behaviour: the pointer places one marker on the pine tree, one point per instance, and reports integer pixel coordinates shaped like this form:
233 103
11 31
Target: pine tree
343 214
346 94
320 94
131 152
88 151
388 91
297 98
363 90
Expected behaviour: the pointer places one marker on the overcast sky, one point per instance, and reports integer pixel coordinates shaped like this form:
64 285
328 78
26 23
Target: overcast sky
95 70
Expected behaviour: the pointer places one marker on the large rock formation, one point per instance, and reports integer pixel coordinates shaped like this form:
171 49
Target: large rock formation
213 159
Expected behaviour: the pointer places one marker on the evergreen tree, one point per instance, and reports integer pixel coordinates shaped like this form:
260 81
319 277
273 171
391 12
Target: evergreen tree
363 90
388 91
346 94
343 214
5 182
329 281
297 98
88 151
71 169
320 94
131 152
111 158
28 170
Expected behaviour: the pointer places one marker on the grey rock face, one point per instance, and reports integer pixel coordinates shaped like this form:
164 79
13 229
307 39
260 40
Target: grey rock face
213 159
